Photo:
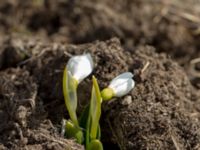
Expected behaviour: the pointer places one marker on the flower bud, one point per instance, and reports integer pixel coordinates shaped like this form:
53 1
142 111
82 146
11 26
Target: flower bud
122 84
80 66
119 86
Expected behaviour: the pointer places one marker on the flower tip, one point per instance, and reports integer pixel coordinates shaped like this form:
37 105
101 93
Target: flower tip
80 66
94 79
89 57
128 74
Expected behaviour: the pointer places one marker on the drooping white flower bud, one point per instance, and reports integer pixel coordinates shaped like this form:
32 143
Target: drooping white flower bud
119 86
122 84
80 66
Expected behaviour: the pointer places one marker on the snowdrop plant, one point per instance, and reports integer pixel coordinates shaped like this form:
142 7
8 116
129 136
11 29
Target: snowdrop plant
86 128
78 68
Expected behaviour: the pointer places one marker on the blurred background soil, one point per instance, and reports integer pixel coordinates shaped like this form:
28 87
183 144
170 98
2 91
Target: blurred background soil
170 26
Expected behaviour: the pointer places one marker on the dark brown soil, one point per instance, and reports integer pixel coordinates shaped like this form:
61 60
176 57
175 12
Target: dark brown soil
171 27
37 38
161 112
24 123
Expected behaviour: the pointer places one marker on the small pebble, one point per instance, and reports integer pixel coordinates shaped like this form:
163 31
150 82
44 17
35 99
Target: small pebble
127 100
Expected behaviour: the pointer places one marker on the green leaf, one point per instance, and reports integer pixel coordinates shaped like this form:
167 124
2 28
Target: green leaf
95 109
88 126
73 131
99 133
70 95
70 129
84 122
84 117
79 136
95 145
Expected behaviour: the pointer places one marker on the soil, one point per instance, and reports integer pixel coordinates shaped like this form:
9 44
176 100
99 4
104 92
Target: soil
37 39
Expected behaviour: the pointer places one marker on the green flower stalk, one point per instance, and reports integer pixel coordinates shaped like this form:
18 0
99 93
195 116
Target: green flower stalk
78 68
70 95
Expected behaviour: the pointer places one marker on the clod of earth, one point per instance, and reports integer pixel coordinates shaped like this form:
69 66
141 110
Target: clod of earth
24 123
162 112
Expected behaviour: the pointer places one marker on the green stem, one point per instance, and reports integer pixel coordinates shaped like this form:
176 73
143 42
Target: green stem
69 89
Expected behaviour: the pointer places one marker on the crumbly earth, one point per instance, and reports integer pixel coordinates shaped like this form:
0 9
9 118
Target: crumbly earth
162 112
169 26
24 123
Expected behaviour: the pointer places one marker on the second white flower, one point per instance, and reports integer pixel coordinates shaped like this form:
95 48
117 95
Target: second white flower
122 84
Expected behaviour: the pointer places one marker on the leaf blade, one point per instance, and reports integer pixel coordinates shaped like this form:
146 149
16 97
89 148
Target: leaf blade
70 95
95 109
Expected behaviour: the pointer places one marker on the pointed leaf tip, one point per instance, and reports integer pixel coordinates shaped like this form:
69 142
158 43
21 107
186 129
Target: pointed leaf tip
95 108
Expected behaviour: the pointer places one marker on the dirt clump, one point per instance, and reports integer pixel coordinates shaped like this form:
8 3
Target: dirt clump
23 119
169 26
162 111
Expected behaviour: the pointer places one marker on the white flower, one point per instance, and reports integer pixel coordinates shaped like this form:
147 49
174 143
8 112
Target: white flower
122 84
80 66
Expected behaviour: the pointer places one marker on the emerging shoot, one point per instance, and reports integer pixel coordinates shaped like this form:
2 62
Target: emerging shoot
86 129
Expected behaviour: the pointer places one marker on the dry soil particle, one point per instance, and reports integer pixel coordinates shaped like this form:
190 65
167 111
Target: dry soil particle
23 124
160 113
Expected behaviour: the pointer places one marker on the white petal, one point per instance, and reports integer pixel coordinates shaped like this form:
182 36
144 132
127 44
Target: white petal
122 84
80 66
120 79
